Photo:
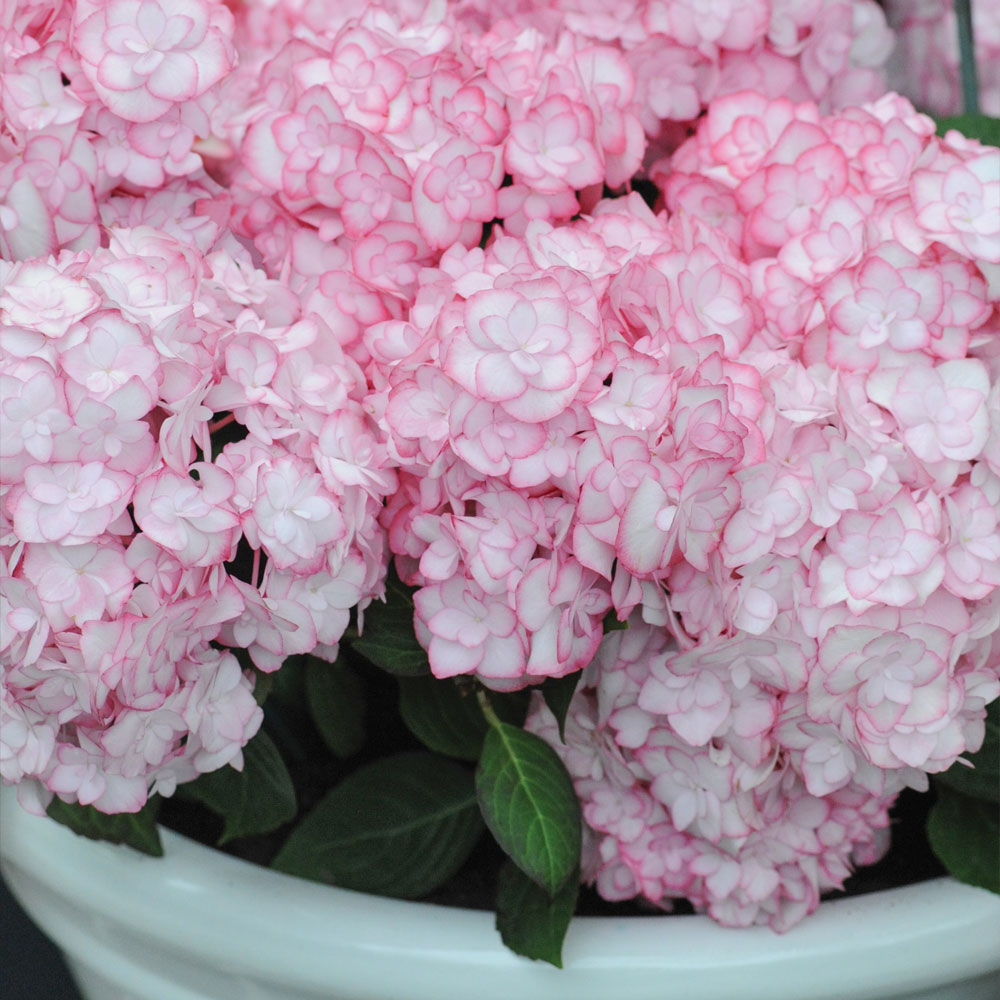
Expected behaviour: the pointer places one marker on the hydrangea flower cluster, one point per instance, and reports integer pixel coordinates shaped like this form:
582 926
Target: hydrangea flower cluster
138 548
924 64
761 427
287 294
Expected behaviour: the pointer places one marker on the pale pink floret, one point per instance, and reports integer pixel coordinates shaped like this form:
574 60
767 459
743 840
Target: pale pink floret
219 710
689 510
368 86
78 583
890 693
836 242
959 203
144 56
731 24
69 502
33 95
293 517
78 774
773 506
467 631
941 410
891 556
35 411
972 556
527 350
38 296
114 352
840 478
456 186
192 519
27 740
269 628
881 303
563 611
553 147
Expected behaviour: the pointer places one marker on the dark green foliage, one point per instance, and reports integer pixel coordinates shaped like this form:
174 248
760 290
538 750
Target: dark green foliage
527 799
256 800
336 701
532 923
965 833
400 826
387 639
137 830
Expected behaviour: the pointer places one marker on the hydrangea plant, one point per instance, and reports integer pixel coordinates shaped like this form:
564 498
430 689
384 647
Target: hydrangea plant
610 398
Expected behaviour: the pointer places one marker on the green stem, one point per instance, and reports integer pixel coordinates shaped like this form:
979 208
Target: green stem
487 708
967 57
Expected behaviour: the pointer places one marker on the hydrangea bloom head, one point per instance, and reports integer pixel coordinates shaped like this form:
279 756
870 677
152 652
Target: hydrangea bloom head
291 293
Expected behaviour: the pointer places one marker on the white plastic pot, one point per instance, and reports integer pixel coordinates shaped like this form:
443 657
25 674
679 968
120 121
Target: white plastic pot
199 925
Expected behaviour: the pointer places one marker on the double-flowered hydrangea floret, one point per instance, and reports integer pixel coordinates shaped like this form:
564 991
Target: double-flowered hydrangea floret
288 291
125 586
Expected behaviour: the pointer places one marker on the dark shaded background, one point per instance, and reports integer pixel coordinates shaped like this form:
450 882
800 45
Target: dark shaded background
31 967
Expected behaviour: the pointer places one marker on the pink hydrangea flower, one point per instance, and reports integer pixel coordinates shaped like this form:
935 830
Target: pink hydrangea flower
192 519
144 56
527 349
553 147
891 556
466 631
456 186
334 288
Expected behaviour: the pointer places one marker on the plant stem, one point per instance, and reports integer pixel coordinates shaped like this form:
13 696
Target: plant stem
487 708
967 57
221 422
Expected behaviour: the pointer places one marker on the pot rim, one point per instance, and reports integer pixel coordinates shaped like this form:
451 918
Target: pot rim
248 918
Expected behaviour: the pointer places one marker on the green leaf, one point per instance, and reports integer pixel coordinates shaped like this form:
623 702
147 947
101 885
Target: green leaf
444 715
137 830
558 693
982 780
336 701
964 833
287 684
527 799
388 639
400 826
258 799
530 922
511 706
981 127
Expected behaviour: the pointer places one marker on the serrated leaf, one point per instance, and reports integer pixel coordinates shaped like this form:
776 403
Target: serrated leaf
443 715
558 693
982 780
527 799
530 922
137 830
336 701
400 826
258 799
388 639
964 833
981 127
